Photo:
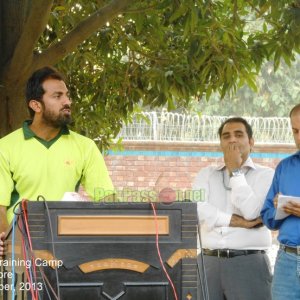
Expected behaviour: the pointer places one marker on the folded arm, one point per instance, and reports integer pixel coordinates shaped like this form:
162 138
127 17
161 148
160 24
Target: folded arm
249 199
211 214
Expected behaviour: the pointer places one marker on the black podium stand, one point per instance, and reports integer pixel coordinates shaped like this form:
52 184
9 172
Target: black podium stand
107 251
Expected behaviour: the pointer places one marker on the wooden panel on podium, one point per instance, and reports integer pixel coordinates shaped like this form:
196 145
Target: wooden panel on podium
112 225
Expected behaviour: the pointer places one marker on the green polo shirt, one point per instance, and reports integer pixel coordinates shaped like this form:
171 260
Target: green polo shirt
30 166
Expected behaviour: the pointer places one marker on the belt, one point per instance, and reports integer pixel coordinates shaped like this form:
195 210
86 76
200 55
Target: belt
295 250
229 253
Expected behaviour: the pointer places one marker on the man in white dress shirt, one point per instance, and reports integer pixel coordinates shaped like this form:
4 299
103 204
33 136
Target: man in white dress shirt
234 242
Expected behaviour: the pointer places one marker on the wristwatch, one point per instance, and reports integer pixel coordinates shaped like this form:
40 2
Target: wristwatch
236 172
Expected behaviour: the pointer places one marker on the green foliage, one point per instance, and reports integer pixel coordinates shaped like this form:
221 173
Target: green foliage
167 52
277 92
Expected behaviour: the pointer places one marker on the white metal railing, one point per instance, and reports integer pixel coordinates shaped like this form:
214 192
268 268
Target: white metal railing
167 126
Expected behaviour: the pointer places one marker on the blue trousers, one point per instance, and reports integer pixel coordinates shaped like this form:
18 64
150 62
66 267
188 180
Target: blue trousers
286 279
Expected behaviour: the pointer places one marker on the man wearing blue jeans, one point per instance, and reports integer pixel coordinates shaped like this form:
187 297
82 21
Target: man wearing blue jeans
286 280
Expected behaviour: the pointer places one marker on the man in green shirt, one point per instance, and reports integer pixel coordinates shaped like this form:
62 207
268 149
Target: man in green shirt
44 157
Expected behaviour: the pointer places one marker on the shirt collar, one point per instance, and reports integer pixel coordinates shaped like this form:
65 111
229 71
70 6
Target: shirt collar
247 164
28 133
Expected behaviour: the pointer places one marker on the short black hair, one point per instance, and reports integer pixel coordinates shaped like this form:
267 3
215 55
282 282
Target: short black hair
34 86
237 120
295 109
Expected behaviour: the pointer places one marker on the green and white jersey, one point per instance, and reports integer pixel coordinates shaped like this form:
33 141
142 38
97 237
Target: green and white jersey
30 166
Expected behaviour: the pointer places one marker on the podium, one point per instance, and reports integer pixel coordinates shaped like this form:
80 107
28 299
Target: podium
106 251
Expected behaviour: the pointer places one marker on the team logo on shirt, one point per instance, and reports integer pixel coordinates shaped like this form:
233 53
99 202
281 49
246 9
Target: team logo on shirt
68 162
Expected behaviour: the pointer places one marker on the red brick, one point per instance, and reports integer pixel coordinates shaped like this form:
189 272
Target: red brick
143 172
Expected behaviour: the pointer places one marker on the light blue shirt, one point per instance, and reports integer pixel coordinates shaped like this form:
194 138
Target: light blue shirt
287 182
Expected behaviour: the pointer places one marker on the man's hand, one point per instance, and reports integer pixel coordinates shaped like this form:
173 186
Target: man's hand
2 237
238 221
292 208
3 228
232 157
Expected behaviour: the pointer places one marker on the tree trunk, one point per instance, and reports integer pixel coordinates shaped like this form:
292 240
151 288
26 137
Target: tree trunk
4 124
13 109
13 14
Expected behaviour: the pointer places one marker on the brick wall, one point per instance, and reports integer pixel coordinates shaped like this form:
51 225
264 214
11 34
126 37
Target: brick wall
154 165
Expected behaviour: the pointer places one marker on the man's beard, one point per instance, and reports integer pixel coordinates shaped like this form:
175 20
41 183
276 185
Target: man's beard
57 121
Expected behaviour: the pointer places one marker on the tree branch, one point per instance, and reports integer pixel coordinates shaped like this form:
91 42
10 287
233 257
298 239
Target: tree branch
80 33
34 27
235 14
141 10
253 7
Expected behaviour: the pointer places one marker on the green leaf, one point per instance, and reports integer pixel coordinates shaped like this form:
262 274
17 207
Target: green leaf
59 8
208 92
139 23
251 83
171 104
277 58
180 12
194 18
265 28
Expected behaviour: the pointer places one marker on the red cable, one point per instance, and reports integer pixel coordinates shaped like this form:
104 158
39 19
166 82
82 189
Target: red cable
30 244
31 250
159 254
48 282
26 269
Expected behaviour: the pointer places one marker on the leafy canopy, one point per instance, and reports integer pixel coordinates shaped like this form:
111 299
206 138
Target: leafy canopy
277 92
166 52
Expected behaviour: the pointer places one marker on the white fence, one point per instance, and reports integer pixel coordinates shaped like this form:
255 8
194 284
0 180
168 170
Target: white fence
166 126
